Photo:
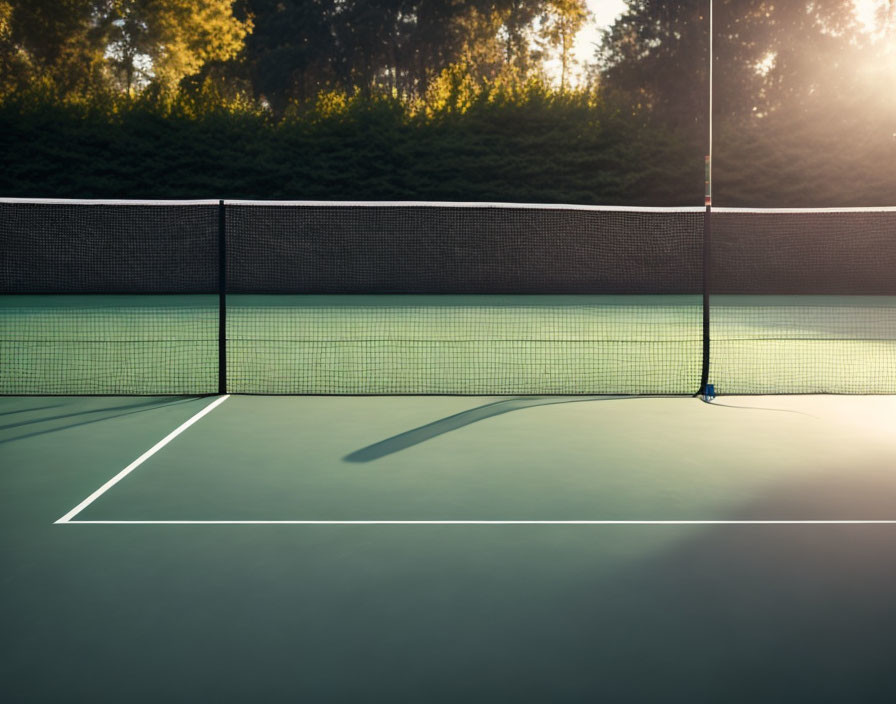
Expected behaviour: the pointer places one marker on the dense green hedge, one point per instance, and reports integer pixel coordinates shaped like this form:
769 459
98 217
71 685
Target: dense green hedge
544 149
540 147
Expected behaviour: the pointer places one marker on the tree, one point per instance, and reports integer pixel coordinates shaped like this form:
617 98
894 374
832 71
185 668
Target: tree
399 48
10 62
55 42
561 21
81 47
163 41
289 54
767 55
803 93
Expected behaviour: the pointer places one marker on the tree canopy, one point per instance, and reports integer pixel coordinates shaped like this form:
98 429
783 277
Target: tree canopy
280 51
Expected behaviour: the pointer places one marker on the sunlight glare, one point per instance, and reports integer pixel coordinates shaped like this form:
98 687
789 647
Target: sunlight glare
868 11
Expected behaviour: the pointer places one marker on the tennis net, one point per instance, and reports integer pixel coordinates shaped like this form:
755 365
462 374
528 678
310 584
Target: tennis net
194 297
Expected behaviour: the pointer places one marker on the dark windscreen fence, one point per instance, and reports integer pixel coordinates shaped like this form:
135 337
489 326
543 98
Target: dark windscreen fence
108 247
812 252
381 248
803 301
122 297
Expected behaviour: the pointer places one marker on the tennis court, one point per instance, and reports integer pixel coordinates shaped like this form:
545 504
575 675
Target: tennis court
239 560
288 452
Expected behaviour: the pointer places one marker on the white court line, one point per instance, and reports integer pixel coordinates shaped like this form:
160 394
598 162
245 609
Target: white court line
496 523
140 460
447 204
469 205
104 201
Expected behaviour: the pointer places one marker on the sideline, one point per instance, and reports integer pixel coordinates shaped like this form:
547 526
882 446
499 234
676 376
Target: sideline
140 460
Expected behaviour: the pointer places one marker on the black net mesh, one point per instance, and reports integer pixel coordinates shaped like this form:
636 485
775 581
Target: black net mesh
109 344
472 344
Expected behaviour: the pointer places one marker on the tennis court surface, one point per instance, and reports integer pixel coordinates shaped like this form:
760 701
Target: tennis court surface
408 452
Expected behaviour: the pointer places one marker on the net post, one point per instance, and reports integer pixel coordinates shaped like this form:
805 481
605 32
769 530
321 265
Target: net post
222 298
707 267
707 220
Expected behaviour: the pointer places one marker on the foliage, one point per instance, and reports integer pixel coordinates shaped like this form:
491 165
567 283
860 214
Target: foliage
802 104
81 48
561 21
444 99
346 147
151 42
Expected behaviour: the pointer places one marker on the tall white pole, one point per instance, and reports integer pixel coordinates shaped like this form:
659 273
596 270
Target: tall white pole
709 146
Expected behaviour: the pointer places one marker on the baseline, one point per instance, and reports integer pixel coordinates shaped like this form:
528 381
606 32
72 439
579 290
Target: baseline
501 523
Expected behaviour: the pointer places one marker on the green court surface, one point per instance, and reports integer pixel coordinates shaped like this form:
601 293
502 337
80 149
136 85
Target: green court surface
447 344
445 549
